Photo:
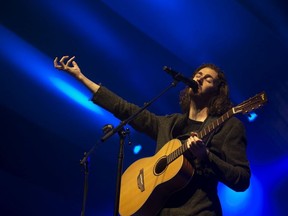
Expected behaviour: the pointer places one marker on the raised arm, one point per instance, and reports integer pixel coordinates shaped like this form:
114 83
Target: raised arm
71 67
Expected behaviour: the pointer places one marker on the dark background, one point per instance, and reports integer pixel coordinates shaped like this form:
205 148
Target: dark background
47 121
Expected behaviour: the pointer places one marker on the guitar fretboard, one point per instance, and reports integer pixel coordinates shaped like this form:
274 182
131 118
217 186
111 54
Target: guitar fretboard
216 123
203 133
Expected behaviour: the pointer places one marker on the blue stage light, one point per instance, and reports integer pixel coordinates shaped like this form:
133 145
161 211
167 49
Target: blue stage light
249 202
137 149
252 116
75 94
40 68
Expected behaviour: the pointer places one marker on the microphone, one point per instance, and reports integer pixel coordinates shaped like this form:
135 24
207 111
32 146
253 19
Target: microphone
179 77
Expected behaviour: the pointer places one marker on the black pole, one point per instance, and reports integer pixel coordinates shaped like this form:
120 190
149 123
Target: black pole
122 135
85 165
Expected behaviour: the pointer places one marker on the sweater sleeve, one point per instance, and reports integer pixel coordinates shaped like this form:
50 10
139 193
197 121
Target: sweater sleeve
229 162
145 122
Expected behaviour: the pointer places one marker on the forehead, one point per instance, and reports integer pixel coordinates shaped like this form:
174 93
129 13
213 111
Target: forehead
208 71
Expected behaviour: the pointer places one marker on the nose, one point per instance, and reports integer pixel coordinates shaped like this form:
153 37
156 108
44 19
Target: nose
199 80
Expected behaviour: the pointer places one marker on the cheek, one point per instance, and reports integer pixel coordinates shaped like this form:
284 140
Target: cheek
210 88
214 90
207 85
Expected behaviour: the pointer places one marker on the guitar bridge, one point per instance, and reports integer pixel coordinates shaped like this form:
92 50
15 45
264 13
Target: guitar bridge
140 180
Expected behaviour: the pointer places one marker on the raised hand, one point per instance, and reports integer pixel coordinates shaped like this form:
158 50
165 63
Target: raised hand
69 66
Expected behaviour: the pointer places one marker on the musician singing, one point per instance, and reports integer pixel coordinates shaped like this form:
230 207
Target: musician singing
218 157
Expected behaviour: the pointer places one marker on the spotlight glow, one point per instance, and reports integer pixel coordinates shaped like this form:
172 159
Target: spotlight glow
252 116
75 94
40 67
137 149
249 202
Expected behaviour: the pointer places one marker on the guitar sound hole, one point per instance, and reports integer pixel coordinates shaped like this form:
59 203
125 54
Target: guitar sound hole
161 166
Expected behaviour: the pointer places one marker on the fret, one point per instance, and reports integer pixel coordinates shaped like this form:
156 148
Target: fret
208 128
200 134
178 152
205 132
169 160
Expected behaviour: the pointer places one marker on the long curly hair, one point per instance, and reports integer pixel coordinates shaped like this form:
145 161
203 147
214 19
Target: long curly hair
220 103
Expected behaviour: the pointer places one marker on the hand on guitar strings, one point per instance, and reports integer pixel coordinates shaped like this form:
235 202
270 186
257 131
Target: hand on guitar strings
197 147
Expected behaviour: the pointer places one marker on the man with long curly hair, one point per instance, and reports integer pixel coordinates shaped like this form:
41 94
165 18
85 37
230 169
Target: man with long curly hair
218 157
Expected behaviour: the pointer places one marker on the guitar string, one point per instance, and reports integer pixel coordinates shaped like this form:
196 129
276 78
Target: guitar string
204 132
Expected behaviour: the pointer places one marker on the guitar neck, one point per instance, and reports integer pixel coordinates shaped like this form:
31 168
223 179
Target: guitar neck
202 134
215 124
244 107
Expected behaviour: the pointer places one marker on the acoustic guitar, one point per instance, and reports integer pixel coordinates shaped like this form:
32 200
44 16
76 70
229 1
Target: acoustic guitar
147 183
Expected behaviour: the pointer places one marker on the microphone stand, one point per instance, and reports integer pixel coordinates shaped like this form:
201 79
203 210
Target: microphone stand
122 133
85 166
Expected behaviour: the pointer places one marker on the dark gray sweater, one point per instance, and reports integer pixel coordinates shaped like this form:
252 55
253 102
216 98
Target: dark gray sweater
227 161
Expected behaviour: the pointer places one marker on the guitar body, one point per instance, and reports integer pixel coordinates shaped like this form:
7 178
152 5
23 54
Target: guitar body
147 183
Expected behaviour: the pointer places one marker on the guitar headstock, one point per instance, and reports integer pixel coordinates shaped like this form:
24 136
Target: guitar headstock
251 104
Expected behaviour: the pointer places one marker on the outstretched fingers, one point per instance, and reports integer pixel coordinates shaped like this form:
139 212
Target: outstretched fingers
56 65
61 65
70 60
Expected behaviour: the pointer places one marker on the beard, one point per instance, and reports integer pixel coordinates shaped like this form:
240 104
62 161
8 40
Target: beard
202 97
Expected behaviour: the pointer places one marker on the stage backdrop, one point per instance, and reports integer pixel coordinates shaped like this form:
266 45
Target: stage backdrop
48 121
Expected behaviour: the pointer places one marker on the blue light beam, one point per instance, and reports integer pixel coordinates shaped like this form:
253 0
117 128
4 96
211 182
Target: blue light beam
248 203
38 66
